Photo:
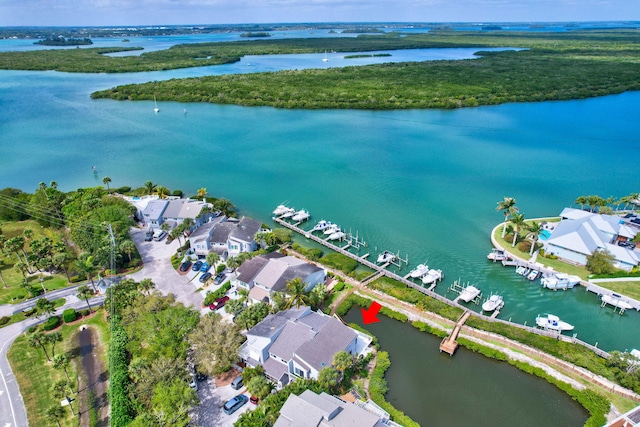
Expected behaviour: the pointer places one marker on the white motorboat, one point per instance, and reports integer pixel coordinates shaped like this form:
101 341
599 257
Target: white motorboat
338 235
155 103
559 281
386 257
332 229
533 275
282 209
321 225
432 276
616 301
301 215
521 270
497 255
549 321
569 280
288 214
493 303
419 271
469 293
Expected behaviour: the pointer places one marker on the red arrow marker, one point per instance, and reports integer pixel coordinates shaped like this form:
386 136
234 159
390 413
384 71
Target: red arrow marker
369 315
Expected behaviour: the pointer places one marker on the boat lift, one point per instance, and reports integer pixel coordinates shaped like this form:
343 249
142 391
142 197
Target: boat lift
355 241
398 261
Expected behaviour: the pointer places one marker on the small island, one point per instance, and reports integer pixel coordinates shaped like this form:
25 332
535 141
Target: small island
254 34
61 41
370 55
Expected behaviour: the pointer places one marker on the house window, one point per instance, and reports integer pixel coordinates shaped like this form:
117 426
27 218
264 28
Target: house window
298 372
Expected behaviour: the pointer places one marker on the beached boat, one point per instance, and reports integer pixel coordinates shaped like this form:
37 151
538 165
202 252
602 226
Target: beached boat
282 209
469 293
301 215
386 257
497 255
549 321
321 225
493 303
616 301
432 276
338 235
419 271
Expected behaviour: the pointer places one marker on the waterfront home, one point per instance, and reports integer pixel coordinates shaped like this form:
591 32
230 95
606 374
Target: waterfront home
299 343
151 215
225 236
200 239
178 210
263 275
580 233
242 236
324 410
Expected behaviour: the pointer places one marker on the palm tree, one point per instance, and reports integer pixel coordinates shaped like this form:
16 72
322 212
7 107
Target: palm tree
296 291
149 187
225 206
83 292
27 233
212 258
106 180
54 413
535 228
233 262
45 307
53 338
201 193
63 389
593 201
518 221
342 361
188 223
85 264
582 200
128 247
61 260
508 205
61 361
37 339
146 285
162 191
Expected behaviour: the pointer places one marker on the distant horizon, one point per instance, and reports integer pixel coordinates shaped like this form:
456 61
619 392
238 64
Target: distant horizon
100 13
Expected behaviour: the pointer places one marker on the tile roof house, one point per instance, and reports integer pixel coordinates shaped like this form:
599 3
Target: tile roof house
323 410
263 275
581 233
299 343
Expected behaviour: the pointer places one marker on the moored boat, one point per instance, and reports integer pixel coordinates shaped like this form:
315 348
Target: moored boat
301 215
550 321
432 276
321 225
332 229
338 235
386 257
282 209
469 293
497 255
493 303
616 301
419 271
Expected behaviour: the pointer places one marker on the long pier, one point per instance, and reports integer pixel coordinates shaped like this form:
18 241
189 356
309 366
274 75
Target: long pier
381 271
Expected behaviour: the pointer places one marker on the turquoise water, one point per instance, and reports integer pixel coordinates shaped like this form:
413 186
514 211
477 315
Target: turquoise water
424 183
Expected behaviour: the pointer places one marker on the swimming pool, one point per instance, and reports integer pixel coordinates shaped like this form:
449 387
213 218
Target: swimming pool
544 235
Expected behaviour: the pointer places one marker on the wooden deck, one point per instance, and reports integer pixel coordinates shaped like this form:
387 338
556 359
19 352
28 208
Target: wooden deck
449 344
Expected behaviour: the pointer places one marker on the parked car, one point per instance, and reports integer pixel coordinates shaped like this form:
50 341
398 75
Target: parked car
193 384
148 236
196 266
219 278
205 267
237 383
200 376
254 400
234 404
205 277
220 302
185 266
159 235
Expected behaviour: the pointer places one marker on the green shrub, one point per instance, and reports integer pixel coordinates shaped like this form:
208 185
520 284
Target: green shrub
177 193
123 190
340 262
32 329
4 320
69 315
524 246
85 312
338 287
51 323
220 268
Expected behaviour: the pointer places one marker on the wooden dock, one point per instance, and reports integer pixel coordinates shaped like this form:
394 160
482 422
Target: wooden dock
449 344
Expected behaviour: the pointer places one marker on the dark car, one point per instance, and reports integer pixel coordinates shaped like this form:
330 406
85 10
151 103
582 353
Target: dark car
205 277
148 236
220 302
234 404
200 376
196 266
219 278
185 266
237 383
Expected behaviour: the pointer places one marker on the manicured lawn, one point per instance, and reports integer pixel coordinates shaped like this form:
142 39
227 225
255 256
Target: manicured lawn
36 376
19 317
630 289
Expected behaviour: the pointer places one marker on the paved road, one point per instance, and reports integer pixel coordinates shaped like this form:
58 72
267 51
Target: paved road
12 410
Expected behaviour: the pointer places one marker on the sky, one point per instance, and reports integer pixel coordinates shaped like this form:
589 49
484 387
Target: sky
179 12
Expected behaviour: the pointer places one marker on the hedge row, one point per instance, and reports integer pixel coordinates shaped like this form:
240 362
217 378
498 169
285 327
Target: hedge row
121 410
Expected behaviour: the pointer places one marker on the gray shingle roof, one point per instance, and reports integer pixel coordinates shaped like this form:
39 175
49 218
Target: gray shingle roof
273 323
154 209
332 338
293 335
221 232
250 268
245 230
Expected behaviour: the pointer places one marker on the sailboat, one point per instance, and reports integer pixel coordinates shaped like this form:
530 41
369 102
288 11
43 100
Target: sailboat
155 103
325 59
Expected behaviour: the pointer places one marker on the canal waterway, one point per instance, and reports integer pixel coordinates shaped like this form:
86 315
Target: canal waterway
435 389
424 183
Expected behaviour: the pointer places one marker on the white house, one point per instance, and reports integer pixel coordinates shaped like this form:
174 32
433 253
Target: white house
581 233
263 275
299 343
178 210
225 236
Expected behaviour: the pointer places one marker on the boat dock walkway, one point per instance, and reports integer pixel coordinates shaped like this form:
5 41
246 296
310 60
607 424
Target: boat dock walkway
449 344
